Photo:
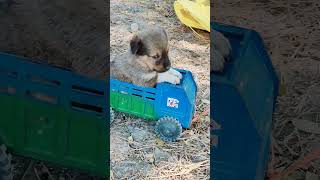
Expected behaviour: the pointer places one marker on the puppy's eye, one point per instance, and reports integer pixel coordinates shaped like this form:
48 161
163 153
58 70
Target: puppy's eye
156 56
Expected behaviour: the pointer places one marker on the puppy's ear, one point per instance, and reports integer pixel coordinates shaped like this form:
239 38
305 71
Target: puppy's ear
164 32
135 44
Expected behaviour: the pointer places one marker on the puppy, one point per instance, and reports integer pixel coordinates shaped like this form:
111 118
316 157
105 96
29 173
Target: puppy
146 61
221 51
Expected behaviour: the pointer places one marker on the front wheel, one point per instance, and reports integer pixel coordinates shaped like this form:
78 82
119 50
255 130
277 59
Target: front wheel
5 164
168 129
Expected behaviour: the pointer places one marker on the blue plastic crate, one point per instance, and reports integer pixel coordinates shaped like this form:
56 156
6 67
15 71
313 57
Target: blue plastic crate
243 100
45 110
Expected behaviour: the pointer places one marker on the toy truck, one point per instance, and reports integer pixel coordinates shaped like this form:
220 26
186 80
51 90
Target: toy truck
173 106
243 99
53 115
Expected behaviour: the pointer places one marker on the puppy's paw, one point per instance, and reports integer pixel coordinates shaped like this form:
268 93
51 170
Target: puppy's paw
221 51
217 61
168 77
175 73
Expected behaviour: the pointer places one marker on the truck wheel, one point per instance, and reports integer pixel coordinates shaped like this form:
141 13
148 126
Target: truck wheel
168 129
111 116
5 164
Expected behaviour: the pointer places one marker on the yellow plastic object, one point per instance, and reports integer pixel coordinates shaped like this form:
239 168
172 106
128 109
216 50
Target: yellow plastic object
194 14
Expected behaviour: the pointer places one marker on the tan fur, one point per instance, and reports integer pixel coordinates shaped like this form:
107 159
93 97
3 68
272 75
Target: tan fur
221 51
140 64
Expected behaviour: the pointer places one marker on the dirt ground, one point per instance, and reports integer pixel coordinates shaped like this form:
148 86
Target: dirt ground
136 152
291 33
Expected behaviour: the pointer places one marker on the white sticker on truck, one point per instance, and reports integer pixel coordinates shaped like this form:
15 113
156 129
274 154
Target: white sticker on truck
174 103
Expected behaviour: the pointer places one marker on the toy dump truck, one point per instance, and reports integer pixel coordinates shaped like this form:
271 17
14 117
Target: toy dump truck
243 99
54 115
173 106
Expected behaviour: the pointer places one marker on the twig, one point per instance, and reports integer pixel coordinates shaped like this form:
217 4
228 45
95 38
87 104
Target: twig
47 170
36 173
303 162
28 169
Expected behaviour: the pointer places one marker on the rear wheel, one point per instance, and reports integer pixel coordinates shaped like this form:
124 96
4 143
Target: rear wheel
5 164
168 129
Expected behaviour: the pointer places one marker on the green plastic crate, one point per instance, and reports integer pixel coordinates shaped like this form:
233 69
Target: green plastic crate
71 131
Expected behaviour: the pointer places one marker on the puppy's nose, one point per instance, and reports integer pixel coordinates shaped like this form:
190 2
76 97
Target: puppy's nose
167 64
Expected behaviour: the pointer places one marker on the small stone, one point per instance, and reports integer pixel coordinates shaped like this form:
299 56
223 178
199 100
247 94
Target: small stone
130 139
160 156
150 158
130 168
198 158
139 134
130 128
134 27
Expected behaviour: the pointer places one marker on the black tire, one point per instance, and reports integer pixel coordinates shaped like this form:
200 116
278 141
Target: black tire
168 129
5 164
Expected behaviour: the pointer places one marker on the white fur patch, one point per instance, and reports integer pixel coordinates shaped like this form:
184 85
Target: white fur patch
175 73
168 77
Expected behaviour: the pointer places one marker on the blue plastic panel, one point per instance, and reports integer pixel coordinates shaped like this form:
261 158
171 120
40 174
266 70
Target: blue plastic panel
66 87
243 98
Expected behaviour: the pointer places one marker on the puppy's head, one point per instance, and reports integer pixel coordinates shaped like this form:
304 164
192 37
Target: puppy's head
150 49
